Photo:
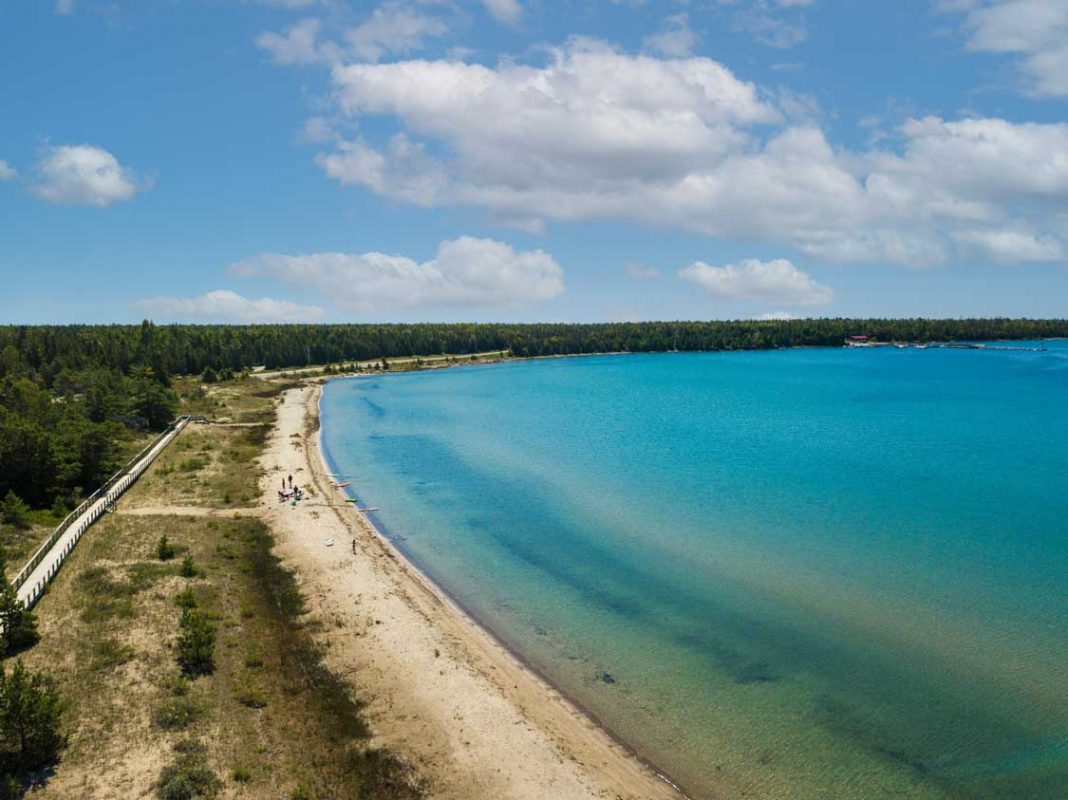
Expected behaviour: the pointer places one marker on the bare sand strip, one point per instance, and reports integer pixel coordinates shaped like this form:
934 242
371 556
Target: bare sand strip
442 692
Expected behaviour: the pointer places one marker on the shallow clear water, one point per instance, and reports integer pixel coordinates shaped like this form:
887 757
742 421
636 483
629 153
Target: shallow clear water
795 574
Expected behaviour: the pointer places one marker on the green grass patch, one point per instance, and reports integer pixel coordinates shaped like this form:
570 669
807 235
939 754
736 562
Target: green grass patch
193 465
176 713
108 653
102 597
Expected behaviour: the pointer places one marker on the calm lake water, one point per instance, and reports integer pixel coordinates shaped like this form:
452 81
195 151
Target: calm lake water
786 574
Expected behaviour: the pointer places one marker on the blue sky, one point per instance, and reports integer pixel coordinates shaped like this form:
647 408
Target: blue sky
321 160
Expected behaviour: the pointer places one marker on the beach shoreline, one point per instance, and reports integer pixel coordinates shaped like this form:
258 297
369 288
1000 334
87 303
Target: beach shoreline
442 691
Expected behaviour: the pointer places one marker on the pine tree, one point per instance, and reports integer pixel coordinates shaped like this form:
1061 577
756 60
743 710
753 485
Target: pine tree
31 713
18 625
196 643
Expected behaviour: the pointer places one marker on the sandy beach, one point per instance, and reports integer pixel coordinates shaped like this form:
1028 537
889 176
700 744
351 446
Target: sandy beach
441 691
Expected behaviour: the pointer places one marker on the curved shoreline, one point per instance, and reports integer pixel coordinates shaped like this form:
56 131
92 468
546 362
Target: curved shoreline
442 691
471 618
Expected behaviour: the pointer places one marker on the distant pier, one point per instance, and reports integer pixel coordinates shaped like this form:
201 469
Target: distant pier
868 341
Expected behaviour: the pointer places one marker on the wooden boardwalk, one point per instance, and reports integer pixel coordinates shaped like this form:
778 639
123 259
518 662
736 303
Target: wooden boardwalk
33 579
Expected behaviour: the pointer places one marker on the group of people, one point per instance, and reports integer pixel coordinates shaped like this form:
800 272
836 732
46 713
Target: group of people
293 493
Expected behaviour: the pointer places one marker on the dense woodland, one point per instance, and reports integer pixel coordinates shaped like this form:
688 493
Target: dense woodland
71 396
46 351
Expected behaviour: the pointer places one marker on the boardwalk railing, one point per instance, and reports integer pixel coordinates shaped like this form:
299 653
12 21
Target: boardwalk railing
89 510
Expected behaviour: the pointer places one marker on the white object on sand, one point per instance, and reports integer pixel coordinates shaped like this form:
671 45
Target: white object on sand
329 541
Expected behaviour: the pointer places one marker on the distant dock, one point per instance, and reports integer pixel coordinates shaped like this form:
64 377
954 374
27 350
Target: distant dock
869 341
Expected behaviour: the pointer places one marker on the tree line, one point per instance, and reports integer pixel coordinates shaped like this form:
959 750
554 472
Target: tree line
70 395
48 351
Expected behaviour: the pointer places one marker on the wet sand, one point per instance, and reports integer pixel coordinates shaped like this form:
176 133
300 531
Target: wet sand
442 693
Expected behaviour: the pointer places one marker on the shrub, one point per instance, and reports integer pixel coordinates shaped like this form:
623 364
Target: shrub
249 696
164 549
188 777
103 597
188 568
176 713
14 512
109 653
186 598
60 508
196 643
240 775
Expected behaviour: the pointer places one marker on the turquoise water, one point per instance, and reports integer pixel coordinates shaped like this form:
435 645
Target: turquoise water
790 574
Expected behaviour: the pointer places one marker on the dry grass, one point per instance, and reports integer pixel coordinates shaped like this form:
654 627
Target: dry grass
274 721
18 545
269 713
206 465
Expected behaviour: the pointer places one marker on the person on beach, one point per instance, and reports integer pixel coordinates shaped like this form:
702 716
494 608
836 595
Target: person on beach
290 481
354 547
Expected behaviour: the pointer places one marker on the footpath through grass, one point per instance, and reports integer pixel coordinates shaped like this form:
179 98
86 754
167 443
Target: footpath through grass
260 717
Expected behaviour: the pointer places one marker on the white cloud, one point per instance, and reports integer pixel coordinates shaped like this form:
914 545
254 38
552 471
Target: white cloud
507 12
7 172
1034 30
64 7
226 306
298 45
1009 246
465 272
766 21
675 40
589 127
776 316
84 175
776 281
393 28
642 272
683 143
595 133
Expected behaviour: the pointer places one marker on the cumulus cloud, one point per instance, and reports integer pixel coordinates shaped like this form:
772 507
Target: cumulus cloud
675 40
7 172
1034 30
768 23
575 132
776 281
465 272
595 133
297 45
392 28
226 306
84 175
507 12
1011 246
